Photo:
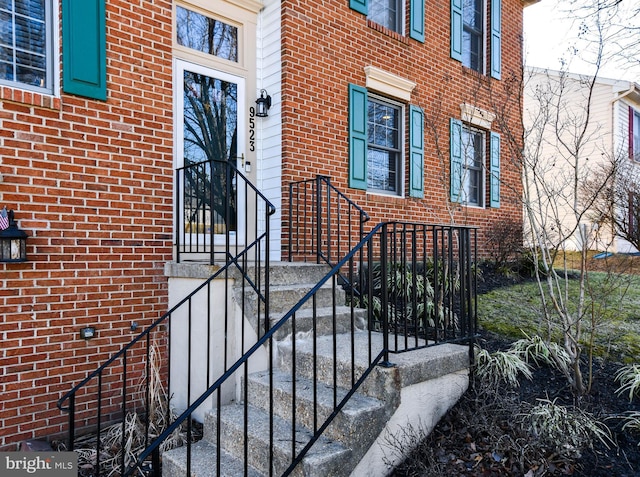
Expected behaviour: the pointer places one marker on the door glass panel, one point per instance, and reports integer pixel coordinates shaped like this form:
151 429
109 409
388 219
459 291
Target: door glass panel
210 141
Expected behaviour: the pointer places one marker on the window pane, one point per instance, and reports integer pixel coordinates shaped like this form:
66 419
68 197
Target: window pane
386 13
206 34
6 29
473 144
381 170
30 8
383 131
472 14
473 34
24 42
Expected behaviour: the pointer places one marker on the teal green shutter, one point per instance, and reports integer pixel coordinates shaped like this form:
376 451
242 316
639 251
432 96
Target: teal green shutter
357 137
455 150
494 188
359 6
84 50
416 152
456 29
496 38
417 20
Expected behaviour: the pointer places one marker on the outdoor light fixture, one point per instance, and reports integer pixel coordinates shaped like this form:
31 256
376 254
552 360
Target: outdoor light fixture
13 241
263 104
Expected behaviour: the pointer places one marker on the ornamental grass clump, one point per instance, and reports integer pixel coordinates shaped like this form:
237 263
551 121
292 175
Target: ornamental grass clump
535 349
629 379
499 367
566 430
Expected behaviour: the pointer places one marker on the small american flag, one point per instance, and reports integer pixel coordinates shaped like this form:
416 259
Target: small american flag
4 219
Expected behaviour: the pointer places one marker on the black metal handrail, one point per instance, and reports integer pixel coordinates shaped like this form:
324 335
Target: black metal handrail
324 224
402 286
218 210
393 256
124 383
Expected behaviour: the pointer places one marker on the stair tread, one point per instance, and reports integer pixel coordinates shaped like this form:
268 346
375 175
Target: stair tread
304 390
322 312
204 462
323 450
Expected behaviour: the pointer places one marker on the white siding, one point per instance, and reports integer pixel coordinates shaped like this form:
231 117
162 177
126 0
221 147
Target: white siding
269 130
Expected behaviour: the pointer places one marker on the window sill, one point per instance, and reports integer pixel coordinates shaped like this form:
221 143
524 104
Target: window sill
386 31
387 198
476 74
41 100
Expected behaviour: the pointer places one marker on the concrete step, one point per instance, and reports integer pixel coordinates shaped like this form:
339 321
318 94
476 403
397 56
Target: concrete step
326 458
203 462
285 297
411 367
287 273
304 319
356 426
291 273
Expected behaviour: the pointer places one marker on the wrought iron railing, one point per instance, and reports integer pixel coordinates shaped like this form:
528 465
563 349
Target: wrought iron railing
391 258
219 211
324 224
124 389
400 287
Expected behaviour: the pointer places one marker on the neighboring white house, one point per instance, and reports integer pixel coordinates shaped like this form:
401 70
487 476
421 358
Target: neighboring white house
566 155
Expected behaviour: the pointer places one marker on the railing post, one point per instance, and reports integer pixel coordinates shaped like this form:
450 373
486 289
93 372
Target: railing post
155 462
318 217
72 421
385 304
290 231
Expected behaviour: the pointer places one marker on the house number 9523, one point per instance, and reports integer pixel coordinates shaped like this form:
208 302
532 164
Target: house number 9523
252 128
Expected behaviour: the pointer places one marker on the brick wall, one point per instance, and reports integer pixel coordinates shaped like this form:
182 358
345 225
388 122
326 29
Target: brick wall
91 183
326 46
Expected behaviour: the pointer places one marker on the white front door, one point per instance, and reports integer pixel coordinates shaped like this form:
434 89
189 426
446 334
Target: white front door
209 133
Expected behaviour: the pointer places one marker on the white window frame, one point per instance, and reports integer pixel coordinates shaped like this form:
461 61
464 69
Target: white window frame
400 162
467 171
52 48
466 53
400 15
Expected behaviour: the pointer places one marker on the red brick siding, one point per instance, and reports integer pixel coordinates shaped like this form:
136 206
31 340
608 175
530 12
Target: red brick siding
91 183
326 45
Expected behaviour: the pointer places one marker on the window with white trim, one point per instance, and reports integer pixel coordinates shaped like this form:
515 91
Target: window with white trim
473 44
387 13
473 154
474 165
383 145
206 34
26 44
376 137
391 15
473 34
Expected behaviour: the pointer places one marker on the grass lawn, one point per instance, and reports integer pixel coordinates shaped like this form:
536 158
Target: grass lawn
612 299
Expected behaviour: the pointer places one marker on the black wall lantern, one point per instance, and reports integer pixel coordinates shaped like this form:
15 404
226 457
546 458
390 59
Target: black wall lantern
13 241
263 104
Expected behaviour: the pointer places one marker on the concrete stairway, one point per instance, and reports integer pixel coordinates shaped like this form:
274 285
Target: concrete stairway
354 429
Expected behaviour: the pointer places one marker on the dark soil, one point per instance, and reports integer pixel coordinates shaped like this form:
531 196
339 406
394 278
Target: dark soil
483 434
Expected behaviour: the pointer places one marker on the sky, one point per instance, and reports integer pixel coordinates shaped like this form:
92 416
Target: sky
550 31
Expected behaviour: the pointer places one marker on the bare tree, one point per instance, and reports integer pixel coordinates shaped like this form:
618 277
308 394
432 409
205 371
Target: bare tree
558 154
612 24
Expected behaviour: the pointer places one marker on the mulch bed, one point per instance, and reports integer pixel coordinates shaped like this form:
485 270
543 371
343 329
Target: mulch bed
476 438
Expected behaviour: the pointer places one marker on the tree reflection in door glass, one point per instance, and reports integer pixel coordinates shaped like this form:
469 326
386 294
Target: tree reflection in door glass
210 139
